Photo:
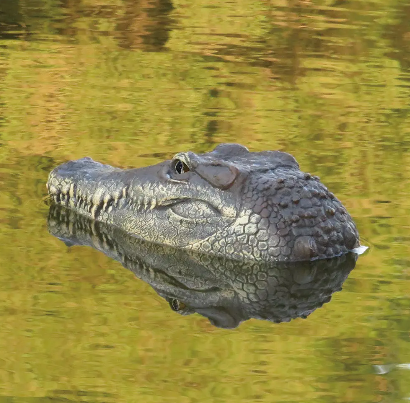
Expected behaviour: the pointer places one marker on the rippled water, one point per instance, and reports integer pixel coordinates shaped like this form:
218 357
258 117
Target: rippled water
131 83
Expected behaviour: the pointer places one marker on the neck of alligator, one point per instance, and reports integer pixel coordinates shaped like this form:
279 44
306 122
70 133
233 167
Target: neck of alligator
225 291
228 202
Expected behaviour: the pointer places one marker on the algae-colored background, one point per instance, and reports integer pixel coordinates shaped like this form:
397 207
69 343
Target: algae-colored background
132 82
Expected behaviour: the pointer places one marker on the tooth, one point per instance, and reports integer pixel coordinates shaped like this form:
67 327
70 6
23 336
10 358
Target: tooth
93 229
153 203
107 198
96 241
65 189
93 210
97 197
116 197
137 203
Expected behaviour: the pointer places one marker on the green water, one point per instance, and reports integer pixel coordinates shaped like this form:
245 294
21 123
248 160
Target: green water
131 83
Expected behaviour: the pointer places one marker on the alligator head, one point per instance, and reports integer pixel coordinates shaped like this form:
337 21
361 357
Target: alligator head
229 202
225 291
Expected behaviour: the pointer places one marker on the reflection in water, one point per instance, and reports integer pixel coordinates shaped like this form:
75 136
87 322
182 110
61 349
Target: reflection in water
10 19
141 24
399 35
385 369
146 24
131 82
227 292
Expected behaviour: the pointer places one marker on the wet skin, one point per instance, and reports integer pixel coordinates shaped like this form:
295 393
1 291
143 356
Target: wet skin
229 202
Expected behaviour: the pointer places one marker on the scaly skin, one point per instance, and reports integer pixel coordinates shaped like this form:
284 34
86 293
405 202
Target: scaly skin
225 291
229 202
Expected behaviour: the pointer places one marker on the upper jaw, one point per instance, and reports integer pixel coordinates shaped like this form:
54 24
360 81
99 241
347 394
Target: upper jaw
131 198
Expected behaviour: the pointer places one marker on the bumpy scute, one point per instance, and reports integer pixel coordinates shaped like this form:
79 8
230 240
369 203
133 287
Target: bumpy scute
229 202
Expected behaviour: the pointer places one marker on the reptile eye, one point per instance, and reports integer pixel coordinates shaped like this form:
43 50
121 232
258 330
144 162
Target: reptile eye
180 167
176 305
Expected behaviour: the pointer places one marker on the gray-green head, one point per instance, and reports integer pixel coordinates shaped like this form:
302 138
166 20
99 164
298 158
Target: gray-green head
229 202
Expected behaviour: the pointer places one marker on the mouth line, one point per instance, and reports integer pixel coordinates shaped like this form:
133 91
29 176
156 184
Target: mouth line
169 202
73 198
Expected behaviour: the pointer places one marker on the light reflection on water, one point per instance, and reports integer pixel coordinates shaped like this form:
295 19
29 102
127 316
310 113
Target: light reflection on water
131 83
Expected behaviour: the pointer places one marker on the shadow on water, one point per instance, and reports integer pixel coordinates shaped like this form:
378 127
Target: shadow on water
227 292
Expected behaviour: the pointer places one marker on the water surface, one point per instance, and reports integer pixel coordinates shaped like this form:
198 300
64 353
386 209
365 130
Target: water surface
131 83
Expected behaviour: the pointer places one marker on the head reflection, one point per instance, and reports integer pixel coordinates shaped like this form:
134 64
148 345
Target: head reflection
226 292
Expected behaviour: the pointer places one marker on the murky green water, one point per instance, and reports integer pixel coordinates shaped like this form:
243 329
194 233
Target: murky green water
132 82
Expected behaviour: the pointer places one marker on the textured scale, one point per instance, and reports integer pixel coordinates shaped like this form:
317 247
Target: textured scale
229 202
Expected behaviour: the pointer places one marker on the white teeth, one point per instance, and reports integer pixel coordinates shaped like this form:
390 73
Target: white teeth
72 201
65 189
72 190
96 198
107 198
139 203
124 192
142 203
93 228
116 196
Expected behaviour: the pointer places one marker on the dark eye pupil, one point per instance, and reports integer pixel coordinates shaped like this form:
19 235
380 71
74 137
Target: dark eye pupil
180 167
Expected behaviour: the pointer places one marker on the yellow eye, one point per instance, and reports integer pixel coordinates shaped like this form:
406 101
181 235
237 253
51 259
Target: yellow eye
180 167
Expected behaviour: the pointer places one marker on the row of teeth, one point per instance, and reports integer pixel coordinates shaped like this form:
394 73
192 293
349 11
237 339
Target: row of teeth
100 240
75 226
145 203
100 201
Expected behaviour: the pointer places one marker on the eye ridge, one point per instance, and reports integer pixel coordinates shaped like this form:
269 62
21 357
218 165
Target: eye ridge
180 167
